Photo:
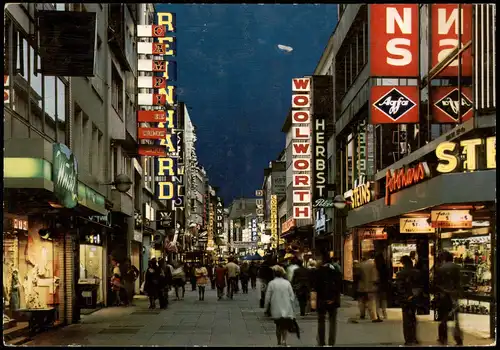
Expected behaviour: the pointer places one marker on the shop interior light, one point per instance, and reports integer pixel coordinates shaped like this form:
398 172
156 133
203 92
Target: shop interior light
55 205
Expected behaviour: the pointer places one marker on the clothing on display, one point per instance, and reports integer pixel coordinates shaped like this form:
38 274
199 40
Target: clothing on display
473 255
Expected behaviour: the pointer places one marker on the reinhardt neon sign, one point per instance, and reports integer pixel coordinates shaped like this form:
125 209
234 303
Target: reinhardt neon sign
397 180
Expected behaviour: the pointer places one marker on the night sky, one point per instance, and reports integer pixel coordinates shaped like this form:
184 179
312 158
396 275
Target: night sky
238 83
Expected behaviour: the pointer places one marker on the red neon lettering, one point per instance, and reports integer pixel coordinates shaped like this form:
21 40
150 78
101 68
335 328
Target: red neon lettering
301 117
301 180
301 164
159 66
298 135
300 84
300 100
301 147
301 210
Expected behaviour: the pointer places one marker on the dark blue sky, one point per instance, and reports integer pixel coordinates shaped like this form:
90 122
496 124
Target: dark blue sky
238 82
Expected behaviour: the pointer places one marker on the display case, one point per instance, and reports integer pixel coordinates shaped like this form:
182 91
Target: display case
473 255
398 250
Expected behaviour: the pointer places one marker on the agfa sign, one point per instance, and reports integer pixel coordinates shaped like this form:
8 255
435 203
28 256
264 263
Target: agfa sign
65 175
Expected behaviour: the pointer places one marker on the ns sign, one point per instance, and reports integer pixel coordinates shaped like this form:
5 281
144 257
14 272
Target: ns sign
394 31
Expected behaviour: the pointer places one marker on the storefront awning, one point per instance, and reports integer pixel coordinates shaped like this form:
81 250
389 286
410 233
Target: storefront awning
33 178
453 188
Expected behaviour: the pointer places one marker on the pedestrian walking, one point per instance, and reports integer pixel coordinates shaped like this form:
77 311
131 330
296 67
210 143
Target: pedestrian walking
201 274
152 284
191 276
279 300
407 281
328 285
165 277
448 289
301 284
220 280
116 282
179 280
129 278
244 277
336 263
383 285
266 275
232 273
237 279
367 287
294 264
211 275
253 272
116 286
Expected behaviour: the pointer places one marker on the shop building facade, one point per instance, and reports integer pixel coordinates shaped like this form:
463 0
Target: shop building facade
422 178
66 243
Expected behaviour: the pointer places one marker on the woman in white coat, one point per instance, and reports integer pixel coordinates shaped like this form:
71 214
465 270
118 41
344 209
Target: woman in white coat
280 298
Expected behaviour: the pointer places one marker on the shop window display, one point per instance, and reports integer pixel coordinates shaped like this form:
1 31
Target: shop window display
91 267
473 255
30 271
398 250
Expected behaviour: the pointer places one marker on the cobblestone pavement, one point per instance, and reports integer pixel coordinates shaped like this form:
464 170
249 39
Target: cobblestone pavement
238 322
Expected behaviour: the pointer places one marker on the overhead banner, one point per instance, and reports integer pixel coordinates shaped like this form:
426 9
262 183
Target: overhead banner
394 40
301 148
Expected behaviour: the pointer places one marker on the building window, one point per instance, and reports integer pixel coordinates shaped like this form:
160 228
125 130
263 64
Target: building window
100 61
115 162
22 56
50 97
62 101
94 154
36 78
117 92
101 161
78 131
61 7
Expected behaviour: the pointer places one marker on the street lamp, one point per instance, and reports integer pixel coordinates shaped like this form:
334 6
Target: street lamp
339 202
122 183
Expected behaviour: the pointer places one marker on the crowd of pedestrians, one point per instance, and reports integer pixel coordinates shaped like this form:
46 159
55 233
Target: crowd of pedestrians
314 285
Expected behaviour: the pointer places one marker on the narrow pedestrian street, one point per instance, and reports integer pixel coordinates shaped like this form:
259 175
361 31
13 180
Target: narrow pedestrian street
238 322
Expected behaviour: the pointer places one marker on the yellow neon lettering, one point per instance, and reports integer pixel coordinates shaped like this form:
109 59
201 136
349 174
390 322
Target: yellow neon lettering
469 149
443 151
165 164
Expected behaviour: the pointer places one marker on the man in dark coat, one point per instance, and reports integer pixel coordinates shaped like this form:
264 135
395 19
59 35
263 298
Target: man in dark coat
328 285
448 288
408 288
302 286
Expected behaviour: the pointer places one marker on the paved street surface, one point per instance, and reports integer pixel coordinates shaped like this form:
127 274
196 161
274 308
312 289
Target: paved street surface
238 322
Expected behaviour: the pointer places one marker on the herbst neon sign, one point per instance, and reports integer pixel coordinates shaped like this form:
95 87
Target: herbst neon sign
397 180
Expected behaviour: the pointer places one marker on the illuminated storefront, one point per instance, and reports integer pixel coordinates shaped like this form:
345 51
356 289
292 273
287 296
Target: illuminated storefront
444 201
40 252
